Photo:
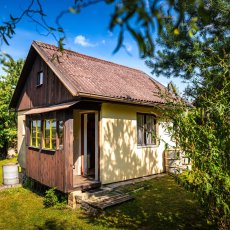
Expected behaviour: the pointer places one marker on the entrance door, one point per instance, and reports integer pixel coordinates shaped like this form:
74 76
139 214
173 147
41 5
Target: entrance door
88 144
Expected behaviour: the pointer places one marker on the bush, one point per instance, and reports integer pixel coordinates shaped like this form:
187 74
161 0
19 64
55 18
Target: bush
54 198
51 198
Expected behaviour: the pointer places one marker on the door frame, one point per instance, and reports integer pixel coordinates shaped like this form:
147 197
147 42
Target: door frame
85 113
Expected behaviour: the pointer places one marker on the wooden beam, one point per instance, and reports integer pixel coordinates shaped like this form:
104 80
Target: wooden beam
85 144
96 147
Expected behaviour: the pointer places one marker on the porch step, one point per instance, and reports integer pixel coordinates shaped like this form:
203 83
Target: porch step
105 201
88 186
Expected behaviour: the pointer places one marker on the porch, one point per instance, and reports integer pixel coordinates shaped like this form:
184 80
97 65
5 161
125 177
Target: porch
85 183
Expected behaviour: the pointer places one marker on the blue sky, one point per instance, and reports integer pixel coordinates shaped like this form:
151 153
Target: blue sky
86 32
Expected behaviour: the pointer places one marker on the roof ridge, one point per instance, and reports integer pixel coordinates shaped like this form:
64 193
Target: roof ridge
42 44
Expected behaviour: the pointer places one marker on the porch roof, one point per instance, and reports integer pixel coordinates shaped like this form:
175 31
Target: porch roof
51 108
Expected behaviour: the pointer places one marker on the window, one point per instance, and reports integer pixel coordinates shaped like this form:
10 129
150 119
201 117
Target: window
61 133
49 134
146 129
35 129
40 76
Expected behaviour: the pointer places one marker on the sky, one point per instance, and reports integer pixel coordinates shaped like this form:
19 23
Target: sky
86 32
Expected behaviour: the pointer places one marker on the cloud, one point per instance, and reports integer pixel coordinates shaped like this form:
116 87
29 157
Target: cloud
82 41
103 42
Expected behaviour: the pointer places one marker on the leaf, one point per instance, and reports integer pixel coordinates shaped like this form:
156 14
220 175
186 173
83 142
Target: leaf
190 33
72 10
176 31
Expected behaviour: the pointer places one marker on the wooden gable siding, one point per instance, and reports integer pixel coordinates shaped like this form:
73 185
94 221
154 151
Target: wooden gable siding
53 168
51 92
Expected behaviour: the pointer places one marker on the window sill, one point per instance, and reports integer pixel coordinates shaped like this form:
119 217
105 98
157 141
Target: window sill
51 150
147 146
48 151
34 148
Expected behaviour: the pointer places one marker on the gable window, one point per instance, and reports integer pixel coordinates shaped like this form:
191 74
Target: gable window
49 134
40 78
35 129
146 129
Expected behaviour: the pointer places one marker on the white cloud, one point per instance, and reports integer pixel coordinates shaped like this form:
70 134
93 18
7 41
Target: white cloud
82 41
103 42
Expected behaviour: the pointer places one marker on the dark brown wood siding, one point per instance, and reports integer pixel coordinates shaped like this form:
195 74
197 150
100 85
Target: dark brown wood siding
51 92
47 168
53 168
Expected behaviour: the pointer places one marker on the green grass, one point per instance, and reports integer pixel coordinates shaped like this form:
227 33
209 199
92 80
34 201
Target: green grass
6 161
159 204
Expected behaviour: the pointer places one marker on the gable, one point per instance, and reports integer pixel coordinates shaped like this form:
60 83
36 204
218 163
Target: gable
51 92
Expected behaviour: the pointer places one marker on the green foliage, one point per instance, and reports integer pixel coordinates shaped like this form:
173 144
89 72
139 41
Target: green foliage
54 198
204 135
51 198
8 120
143 19
203 132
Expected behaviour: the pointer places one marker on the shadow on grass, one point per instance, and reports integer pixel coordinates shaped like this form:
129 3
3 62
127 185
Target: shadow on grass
159 204
53 224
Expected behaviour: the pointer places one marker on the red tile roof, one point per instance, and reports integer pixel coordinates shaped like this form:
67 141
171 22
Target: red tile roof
84 75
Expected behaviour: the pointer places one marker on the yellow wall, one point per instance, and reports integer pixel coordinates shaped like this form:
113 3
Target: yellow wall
21 148
120 157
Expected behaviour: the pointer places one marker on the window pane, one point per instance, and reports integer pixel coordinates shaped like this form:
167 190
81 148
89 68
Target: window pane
47 143
61 133
33 142
47 134
54 134
35 133
140 129
39 78
38 132
150 130
50 129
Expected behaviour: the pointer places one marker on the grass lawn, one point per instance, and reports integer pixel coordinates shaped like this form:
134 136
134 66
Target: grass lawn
2 162
159 204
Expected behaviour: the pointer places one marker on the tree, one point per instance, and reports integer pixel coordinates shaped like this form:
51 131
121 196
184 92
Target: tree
140 18
203 132
8 120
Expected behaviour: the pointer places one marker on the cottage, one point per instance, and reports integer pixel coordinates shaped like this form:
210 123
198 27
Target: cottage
85 121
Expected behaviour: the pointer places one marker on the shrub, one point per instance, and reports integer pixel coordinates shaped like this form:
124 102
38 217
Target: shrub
51 198
55 198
